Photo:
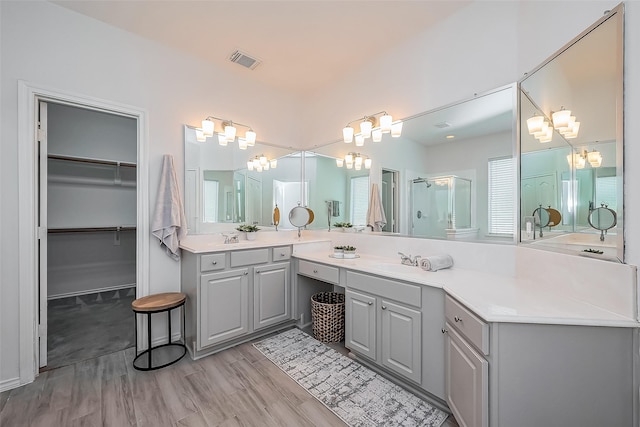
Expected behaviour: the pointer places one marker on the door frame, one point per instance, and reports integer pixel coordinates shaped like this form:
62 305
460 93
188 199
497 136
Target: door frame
29 94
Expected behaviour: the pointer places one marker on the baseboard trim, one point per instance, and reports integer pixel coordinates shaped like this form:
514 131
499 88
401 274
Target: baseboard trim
91 291
10 384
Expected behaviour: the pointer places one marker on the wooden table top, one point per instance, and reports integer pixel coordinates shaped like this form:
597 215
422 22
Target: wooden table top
156 302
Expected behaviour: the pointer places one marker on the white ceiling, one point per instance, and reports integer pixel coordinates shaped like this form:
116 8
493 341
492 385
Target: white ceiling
304 45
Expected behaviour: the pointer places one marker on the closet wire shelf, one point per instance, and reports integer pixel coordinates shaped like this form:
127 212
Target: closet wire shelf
90 229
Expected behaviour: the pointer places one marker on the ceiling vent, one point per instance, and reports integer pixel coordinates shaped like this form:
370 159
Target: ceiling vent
442 125
244 60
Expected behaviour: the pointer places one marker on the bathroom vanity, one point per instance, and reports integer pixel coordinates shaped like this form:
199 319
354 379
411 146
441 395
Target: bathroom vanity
495 349
235 292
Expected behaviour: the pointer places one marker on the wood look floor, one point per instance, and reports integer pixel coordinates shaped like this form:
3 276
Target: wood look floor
236 387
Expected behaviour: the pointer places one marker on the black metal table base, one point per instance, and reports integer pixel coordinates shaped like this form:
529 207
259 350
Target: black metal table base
161 354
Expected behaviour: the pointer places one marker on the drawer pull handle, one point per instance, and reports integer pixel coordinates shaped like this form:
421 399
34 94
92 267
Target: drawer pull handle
214 262
282 254
246 273
315 271
384 307
444 331
457 319
370 303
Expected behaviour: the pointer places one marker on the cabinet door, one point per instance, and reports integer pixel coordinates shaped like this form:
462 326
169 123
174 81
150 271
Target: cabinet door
271 295
401 340
467 382
360 323
224 303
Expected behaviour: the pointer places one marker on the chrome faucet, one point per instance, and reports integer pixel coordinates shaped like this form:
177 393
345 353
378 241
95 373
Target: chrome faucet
407 260
230 238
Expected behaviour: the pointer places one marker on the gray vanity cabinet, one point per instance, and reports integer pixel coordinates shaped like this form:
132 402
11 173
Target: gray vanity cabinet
530 375
401 341
360 323
382 325
271 294
223 306
467 381
467 370
234 296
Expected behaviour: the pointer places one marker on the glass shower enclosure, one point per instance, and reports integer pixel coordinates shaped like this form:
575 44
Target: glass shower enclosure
440 206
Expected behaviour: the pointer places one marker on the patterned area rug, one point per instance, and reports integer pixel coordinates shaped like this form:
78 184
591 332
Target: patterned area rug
357 395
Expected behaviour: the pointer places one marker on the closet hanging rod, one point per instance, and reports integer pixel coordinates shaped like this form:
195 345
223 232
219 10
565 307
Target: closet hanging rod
89 229
94 161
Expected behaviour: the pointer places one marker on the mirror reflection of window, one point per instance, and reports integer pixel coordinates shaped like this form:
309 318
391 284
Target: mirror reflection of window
210 200
501 192
359 200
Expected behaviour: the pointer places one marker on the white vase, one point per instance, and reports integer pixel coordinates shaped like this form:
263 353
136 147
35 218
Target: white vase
349 254
251 235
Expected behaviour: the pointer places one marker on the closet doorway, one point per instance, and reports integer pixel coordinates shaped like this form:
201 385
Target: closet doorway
88 231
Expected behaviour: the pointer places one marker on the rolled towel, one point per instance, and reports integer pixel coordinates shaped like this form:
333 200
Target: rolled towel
436 262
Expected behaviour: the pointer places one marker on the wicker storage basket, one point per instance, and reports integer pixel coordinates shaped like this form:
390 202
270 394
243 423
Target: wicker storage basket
327 315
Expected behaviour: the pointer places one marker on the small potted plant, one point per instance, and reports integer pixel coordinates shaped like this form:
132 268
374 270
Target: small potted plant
345 226
349 251
338 251
249 230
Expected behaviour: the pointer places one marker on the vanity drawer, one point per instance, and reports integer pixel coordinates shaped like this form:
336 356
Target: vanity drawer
470 326
281 253
397 291
212 262
319 271
249 257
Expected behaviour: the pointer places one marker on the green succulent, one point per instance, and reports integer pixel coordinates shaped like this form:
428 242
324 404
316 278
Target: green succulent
249 228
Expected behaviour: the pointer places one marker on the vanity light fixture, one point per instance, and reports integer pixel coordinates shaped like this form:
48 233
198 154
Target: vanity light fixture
373 128
579 160
565 123
540 128
562 121
228 132
594 158
354 161
261 163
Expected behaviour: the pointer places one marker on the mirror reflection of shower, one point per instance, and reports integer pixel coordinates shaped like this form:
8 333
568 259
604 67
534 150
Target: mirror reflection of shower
440 206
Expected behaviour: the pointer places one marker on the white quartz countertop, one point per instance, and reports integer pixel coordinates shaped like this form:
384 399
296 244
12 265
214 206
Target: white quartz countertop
495 298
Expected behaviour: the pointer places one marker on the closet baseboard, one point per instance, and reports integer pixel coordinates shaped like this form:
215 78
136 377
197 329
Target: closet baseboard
93 291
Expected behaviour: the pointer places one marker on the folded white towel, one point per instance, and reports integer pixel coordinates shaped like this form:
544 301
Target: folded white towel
436 262
168 223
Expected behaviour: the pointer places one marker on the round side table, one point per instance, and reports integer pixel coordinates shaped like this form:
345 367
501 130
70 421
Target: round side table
164 354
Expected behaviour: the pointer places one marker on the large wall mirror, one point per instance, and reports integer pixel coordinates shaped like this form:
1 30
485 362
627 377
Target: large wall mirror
571 175
220 189
451 175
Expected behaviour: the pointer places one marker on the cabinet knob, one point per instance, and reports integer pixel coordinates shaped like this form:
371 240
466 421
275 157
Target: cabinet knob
315 271
370 303
384 307
444 331
282 254
246 273
457 319
214 262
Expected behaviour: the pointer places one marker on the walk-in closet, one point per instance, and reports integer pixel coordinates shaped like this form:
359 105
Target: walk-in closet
88 204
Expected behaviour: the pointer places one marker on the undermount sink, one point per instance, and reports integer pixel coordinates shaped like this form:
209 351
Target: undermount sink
396 268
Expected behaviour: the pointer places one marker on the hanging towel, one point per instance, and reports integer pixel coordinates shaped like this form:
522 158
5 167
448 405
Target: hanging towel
436 262
169 224
376 218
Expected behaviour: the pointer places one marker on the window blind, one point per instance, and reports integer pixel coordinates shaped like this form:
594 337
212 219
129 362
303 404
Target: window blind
359 200
502 181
